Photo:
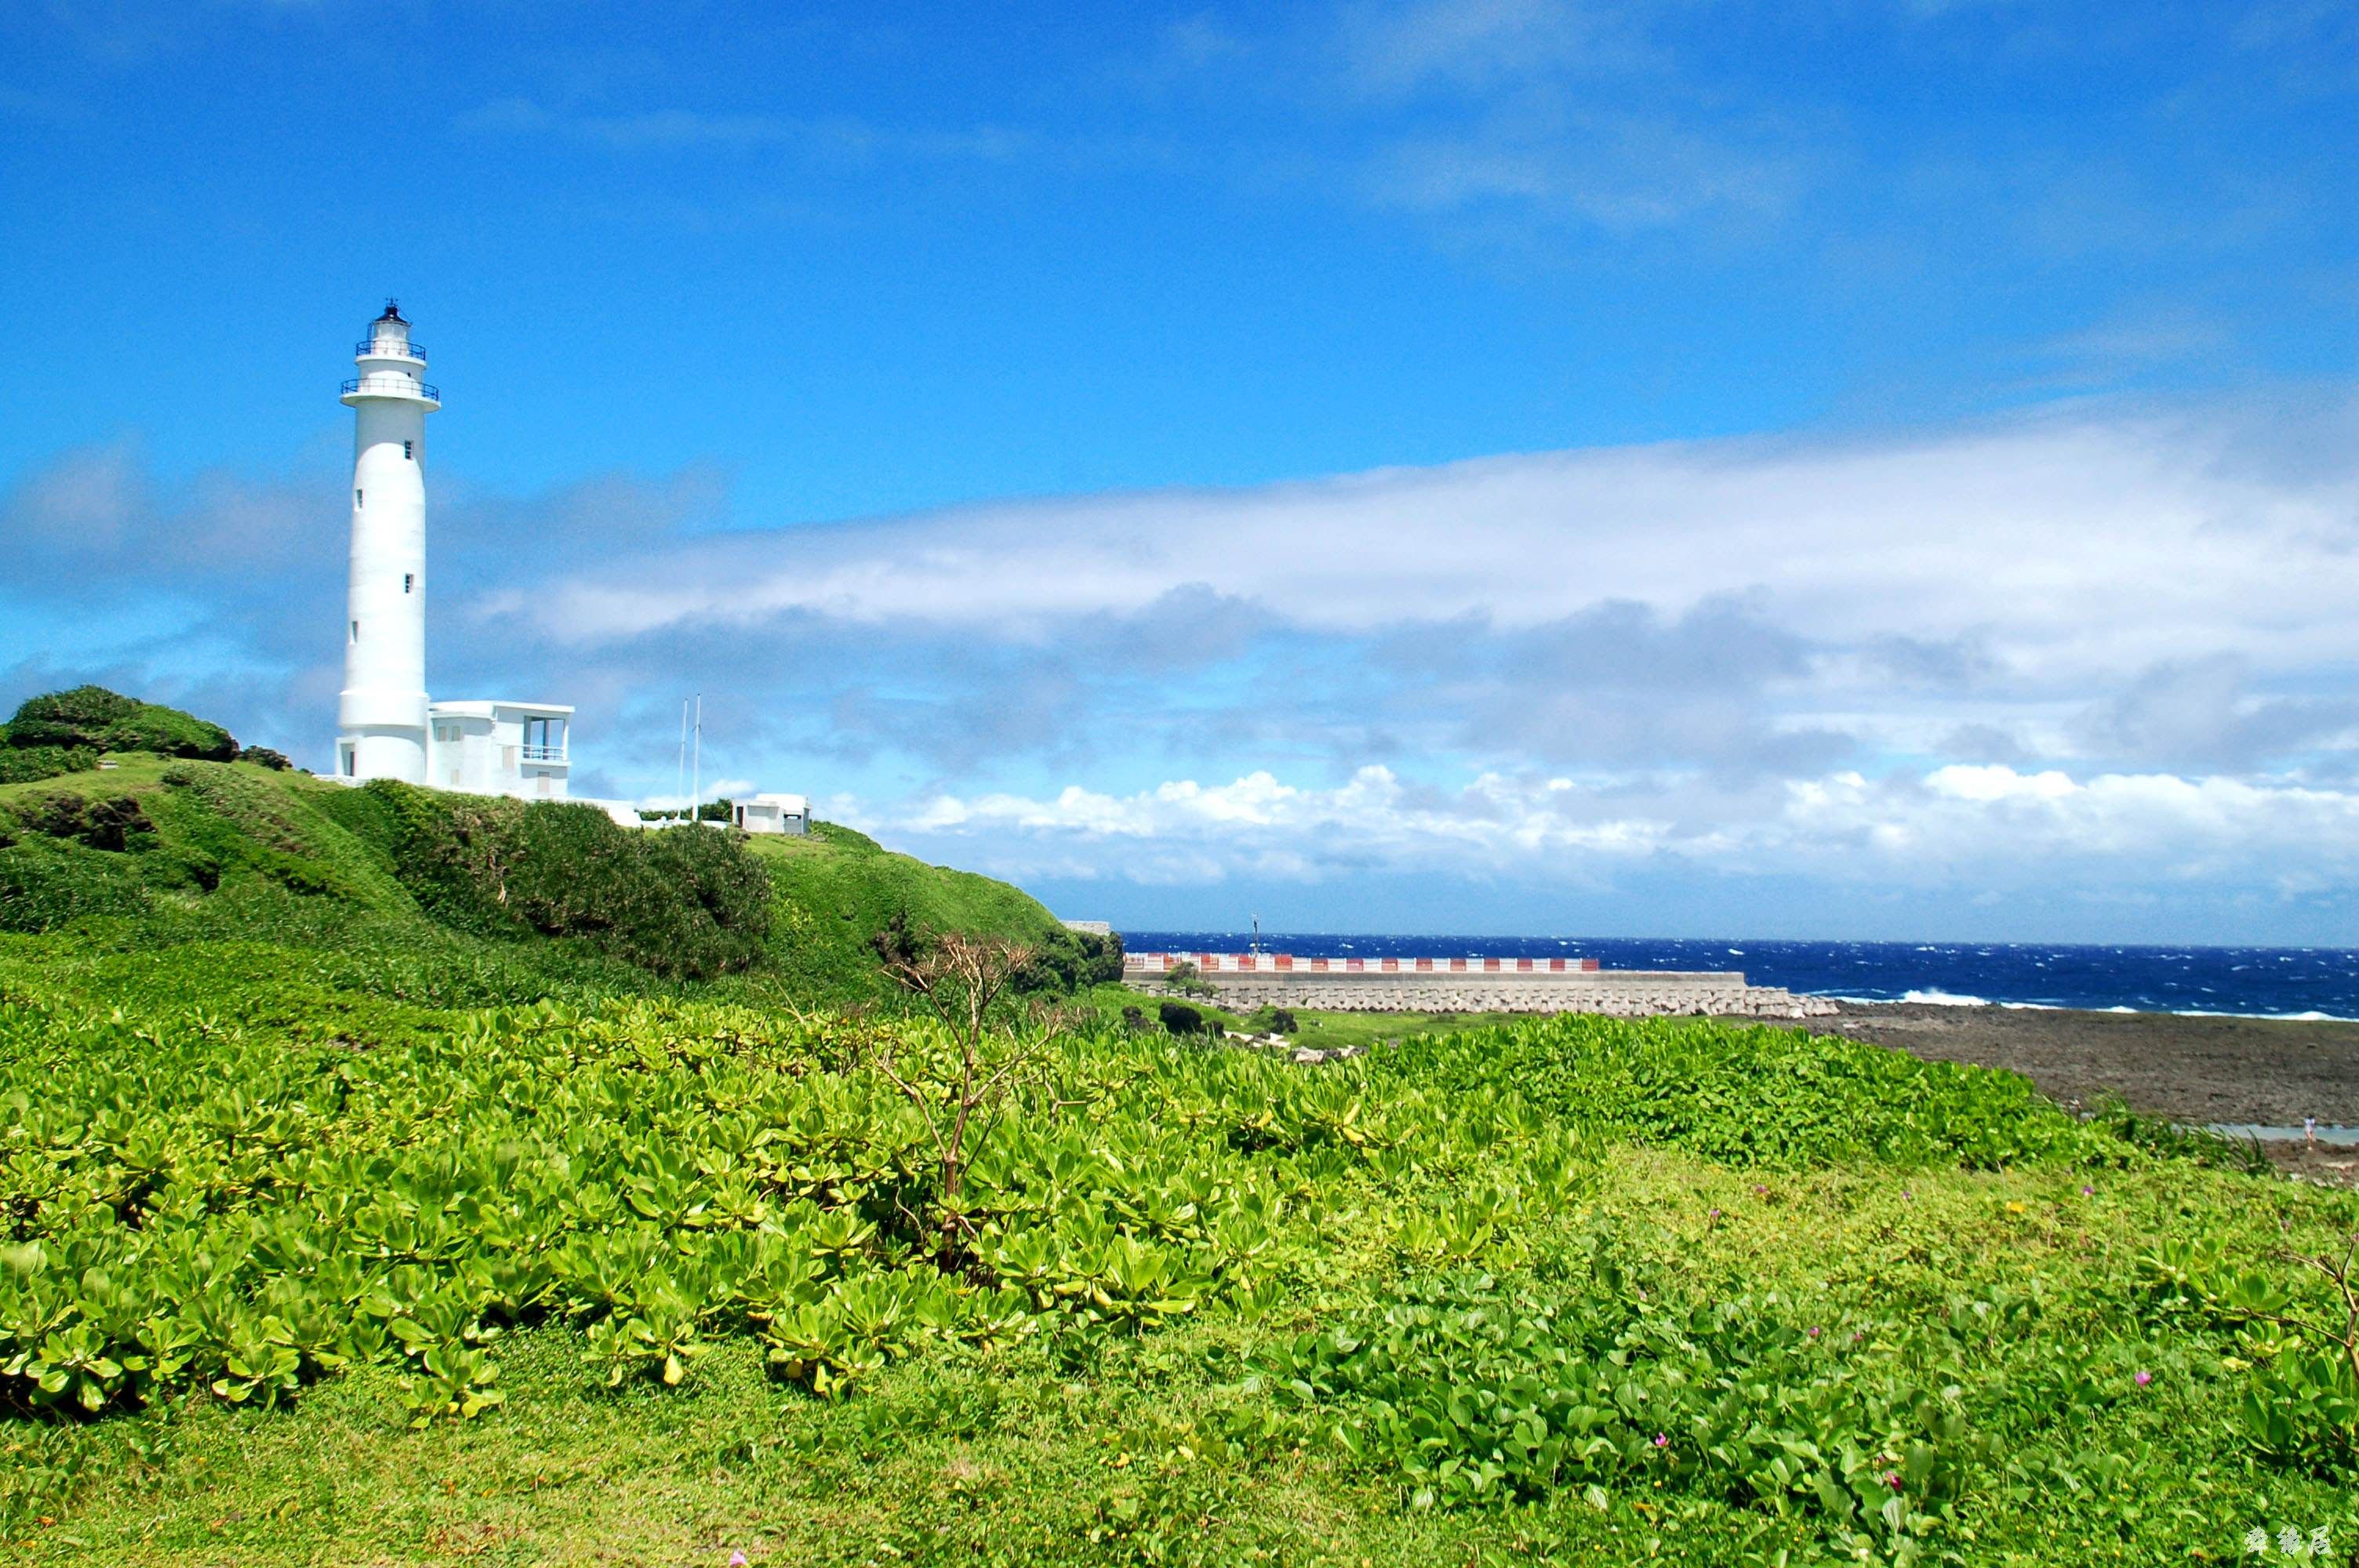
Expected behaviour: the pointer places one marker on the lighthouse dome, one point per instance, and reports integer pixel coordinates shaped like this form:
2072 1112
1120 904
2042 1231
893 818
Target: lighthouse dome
388 337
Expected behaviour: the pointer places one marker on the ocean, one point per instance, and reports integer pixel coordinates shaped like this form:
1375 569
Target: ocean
2259 982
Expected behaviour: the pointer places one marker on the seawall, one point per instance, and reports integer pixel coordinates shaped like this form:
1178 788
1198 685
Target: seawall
1244 981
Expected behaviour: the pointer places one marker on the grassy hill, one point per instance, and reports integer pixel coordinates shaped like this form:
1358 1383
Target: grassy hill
836 888
422 896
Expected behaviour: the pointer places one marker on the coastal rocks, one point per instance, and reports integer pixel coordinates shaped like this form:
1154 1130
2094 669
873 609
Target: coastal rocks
1310 1055
1305 1055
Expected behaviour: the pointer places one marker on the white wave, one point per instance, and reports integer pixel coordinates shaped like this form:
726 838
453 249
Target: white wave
1944 999
2036 1006
2312 1017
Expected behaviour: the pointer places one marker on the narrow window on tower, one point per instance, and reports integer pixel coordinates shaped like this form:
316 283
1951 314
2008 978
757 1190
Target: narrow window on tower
407 578
356 498
410 451
356 630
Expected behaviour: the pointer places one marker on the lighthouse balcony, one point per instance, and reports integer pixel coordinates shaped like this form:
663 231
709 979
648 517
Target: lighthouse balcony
388 349
392 383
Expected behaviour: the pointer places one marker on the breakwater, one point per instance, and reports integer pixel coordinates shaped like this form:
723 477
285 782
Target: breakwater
1471 984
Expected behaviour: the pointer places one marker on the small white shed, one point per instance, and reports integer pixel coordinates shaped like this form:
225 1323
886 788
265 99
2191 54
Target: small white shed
775 814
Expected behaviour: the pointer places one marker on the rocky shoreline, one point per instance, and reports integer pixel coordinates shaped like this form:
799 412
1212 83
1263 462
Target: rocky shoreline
2200 1071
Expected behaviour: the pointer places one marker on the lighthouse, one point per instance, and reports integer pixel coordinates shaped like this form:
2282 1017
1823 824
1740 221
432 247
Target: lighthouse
381 714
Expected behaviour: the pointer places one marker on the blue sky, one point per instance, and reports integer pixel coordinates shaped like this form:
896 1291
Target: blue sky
1875 470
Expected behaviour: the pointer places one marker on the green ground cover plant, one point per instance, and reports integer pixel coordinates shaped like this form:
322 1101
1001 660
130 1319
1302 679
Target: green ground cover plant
1477 1295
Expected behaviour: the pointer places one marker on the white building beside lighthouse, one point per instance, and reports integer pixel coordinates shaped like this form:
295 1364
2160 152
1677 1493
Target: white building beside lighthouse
386 727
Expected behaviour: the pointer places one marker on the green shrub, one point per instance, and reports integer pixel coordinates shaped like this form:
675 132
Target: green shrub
1069 960
1179 1018
93 718
265 757
25 764
681 902
78 718
169 732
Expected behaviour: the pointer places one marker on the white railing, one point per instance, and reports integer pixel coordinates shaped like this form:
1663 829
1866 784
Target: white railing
544 753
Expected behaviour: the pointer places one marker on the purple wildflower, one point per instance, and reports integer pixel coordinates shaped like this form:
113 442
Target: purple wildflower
1661 1441
2143 1378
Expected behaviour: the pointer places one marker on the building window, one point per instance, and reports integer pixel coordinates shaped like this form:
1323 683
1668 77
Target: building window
407 578
356 630
410 451
356 498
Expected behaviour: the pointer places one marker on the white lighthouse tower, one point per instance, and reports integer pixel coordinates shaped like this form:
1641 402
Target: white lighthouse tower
381 718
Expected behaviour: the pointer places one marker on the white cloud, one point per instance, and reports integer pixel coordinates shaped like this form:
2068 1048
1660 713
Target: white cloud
1182 830
1974 826
2028 530
2052 559
1962 781
1478 44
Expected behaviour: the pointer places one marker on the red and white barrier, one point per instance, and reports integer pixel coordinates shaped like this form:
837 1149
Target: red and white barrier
1287 964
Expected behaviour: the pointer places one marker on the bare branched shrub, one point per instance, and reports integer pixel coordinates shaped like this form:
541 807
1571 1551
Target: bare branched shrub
992 1051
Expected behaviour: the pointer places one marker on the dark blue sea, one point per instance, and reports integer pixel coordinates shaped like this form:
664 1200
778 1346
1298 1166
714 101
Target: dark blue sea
2262 982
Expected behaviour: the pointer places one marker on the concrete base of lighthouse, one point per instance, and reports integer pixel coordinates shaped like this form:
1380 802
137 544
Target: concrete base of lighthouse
381 737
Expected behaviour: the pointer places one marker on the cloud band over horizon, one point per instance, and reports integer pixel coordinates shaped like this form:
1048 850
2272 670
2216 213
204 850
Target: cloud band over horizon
2097 642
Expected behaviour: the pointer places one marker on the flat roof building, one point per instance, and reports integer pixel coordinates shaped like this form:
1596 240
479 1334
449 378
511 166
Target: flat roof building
499 748
775 814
